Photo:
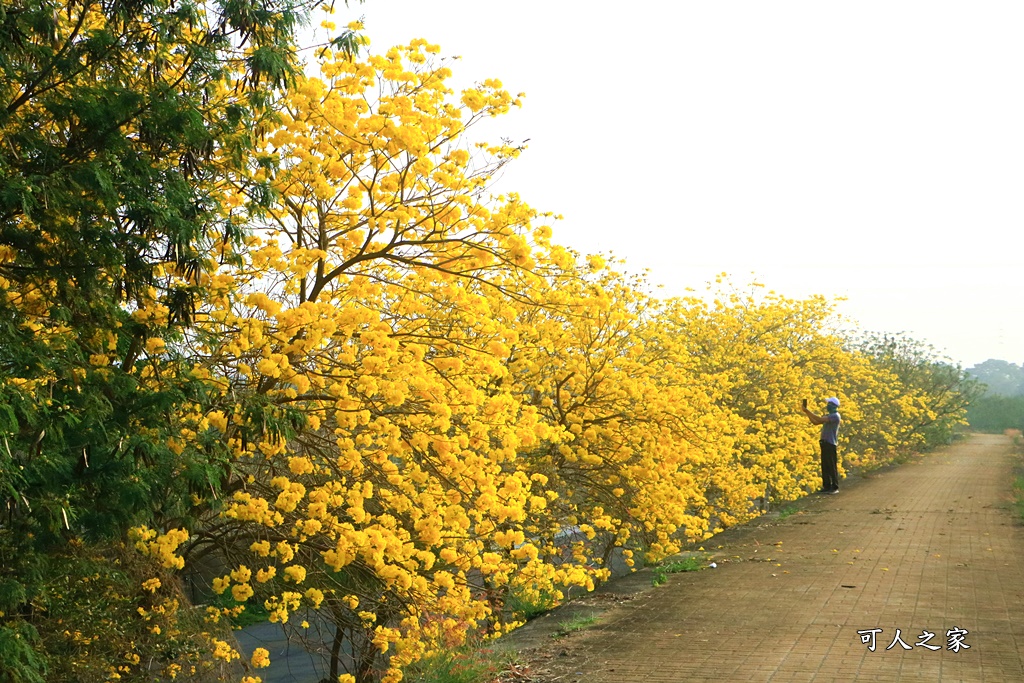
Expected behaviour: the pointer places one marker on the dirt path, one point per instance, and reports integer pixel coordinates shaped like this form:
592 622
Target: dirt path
930 546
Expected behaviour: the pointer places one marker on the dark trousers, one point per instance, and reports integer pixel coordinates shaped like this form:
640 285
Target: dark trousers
829 467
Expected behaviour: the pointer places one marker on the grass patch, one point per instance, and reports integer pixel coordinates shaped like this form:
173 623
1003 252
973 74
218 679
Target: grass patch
787 512
1018 483
1018 497
468 664
577 623
686 564
526 605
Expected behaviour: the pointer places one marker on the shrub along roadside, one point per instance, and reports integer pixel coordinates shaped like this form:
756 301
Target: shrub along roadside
1018 482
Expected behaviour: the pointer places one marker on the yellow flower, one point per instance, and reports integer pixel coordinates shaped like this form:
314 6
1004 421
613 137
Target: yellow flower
300 465
242 574
260 658
221 650
155 345
285 552
295 573
473 99
315 596
261 548
241 592
220 584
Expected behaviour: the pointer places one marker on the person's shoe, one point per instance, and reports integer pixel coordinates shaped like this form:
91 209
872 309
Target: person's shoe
823 491
832 491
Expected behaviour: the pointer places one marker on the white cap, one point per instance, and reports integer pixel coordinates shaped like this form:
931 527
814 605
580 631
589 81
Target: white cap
833 401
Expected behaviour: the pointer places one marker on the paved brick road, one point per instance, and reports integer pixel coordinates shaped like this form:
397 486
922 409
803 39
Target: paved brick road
932 545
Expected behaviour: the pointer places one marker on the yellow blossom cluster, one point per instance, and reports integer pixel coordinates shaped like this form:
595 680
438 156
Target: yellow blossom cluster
161 547
223 651
260 658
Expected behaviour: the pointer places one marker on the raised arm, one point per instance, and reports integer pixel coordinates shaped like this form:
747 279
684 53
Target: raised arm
815 419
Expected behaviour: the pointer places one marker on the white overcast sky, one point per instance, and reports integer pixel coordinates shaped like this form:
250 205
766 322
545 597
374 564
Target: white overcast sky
870 150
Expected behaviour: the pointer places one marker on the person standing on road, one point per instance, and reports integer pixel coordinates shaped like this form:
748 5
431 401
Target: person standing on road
829 422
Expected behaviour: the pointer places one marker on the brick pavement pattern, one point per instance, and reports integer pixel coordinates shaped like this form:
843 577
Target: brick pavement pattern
931 545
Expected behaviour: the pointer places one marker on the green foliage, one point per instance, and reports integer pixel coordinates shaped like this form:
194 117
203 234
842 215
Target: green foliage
687 564
22 664
576 623
919 369
349 43
995 414
255 611
471 664
1018 482
523 605
787 512
121 123
90 611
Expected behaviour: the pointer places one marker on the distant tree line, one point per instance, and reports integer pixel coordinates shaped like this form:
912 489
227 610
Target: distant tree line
1000 377
1001 407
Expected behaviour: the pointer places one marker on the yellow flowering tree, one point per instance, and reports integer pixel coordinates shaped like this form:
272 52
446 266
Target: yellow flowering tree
760 355
361 327
623 425
910 398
